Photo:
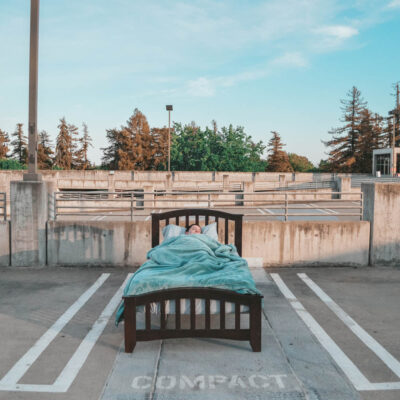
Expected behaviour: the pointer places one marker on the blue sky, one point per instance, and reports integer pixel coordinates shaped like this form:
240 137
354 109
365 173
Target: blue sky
277 65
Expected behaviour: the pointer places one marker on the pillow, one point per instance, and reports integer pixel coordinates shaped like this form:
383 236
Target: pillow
211 231
172 230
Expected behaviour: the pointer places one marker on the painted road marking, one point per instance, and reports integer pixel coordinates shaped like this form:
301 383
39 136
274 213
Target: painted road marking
364 336
261 211
25 362
149 216
269 211
319 209
356 377
71 370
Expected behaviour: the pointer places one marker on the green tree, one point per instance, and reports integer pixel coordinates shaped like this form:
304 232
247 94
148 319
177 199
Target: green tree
45 153
20 149
278 160
343 145
300 163
110 158
4 141
11 164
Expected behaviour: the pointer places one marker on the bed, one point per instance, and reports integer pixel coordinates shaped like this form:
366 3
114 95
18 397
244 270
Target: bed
251 303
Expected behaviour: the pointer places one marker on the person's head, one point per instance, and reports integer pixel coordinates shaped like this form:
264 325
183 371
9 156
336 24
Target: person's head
193 229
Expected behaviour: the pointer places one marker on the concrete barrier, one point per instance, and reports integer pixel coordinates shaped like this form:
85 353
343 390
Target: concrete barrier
97 243
276 243
4 243
382 209
307 243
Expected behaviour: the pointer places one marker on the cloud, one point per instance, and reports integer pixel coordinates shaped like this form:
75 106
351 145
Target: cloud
394 4
201 87
339 32
292 59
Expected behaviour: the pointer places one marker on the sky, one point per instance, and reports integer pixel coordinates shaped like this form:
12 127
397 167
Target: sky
280 65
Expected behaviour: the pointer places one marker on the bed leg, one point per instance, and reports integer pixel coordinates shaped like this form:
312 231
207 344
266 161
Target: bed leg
130 324
255 325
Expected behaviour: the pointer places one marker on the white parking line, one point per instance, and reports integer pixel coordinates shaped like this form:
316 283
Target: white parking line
24 363
368 340
357 378
319 209
269 211
261 211
71 370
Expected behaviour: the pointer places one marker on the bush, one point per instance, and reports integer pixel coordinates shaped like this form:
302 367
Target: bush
11 164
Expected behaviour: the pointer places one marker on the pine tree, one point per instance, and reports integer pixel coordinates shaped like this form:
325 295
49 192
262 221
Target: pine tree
4 140
371 136
125 158
110 157
45 153
81 156
342 156
159 148
20 149
278 160
65 145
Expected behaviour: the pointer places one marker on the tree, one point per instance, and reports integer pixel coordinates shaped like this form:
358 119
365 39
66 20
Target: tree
81 156
110 157
278 160
45 152
11 164
65 145
342 156
371 136
300 163
159 148
20 150
4 140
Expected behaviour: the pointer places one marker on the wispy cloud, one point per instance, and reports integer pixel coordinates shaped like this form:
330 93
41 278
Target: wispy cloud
394 4
292 59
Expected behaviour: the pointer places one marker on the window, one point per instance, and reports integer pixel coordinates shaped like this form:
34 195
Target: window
383 163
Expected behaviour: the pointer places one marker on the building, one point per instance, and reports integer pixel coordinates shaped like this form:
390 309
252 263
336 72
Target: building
385 162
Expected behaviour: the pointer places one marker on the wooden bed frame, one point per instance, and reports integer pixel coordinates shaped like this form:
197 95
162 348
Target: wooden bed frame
253 302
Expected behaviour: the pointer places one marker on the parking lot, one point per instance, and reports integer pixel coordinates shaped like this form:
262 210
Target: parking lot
328 333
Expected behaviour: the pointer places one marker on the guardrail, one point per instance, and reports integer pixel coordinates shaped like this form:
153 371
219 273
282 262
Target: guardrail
3 206
357 181
287 204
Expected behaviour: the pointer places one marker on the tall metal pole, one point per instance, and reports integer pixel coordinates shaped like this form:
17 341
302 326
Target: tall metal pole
394 146
32 174
169 140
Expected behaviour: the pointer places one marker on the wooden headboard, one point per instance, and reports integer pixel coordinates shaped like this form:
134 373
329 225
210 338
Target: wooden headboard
175 216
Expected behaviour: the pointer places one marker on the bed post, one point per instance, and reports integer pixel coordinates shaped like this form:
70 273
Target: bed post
130 323
238 233
255 324
155 230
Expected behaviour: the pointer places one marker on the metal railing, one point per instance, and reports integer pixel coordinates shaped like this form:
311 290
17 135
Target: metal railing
357 181
272 204
3 206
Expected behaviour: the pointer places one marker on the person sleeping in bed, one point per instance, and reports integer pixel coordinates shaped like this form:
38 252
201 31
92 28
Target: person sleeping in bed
193 229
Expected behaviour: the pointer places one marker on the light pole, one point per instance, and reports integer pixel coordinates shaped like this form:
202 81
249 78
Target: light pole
393 113
169 108
32 174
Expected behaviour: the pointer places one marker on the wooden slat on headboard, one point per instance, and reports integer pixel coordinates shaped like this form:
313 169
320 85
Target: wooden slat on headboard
197 213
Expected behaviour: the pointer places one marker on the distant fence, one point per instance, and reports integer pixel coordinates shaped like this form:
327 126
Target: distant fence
276 203
356 181
3 206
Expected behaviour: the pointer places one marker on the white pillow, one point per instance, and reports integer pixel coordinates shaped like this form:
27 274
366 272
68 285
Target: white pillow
211 231
172 230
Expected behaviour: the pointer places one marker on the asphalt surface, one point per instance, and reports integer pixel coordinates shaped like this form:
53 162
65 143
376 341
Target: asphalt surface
328 333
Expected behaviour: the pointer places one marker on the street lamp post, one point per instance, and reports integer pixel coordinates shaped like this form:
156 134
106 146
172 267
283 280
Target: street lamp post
32 174
393 113
169 108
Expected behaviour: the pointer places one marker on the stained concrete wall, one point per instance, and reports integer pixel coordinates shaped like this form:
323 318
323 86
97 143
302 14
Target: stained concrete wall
277 243
4 243
382 209
97 243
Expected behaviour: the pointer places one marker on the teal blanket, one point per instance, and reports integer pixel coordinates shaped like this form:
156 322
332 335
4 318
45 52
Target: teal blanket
191 261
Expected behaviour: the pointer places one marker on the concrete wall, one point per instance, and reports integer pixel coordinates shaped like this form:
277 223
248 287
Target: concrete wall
277 243
307 243
4 243
97 243
382 209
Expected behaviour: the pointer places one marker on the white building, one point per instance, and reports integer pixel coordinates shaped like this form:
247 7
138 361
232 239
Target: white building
385 162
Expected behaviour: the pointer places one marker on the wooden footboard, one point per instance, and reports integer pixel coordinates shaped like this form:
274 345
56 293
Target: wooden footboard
133 335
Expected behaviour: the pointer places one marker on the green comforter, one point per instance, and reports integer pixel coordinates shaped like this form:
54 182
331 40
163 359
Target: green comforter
191 261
